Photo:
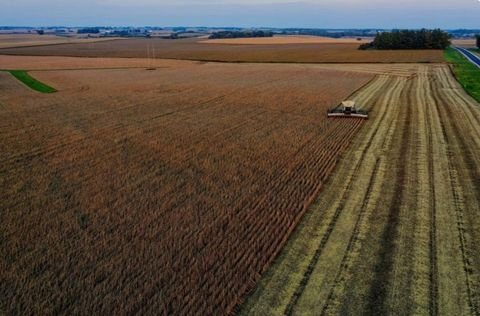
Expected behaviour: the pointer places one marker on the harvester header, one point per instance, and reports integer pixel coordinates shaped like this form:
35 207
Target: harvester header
347 109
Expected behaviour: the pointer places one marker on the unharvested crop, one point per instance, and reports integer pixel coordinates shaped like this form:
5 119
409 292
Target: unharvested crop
159 192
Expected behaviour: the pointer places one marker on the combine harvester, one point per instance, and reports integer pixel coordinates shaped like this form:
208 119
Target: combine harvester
347 109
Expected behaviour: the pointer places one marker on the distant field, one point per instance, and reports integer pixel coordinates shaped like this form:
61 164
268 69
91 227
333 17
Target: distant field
47 63
159 192
468 43
23 40
192 49
276 40
10 62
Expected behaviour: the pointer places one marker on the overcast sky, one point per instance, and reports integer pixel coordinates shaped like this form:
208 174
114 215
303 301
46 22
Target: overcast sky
245 13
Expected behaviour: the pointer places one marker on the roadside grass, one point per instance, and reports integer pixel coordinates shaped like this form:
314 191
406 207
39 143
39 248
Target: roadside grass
31 82
466 73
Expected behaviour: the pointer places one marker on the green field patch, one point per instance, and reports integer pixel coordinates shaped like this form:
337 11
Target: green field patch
466 73
31 82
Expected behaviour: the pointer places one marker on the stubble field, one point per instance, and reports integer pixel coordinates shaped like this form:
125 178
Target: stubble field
163 192
467 43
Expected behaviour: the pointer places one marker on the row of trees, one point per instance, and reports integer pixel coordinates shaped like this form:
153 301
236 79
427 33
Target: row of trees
240 34
87 30
410 39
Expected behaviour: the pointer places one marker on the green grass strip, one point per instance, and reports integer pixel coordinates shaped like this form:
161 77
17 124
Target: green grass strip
466 73
31 82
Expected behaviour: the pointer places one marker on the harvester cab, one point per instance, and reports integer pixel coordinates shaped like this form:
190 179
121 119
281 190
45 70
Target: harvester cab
347 109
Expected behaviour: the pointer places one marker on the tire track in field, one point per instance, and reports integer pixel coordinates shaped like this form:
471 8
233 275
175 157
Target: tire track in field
354 237
382 271
458 125
433 273
301 287
459 204
382 141
451 289
356 230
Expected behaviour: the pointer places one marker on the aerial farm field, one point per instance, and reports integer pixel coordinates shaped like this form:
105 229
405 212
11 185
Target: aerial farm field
214 188
165 191
195 49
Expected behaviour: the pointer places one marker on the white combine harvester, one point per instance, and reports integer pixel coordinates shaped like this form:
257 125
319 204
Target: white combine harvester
347 109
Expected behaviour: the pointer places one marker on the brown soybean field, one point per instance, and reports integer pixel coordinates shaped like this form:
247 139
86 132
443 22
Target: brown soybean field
201 50
167 191
203 188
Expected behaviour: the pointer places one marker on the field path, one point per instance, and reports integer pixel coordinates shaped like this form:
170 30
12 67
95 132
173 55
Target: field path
396 227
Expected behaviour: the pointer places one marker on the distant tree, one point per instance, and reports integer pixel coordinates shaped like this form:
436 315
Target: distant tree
409 39
478 40
40 32
240 34
92 30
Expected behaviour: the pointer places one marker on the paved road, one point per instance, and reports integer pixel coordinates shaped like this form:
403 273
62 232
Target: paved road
469 55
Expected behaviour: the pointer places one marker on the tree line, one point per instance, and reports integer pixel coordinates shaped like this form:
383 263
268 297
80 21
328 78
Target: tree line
478 40
240 34
86 30
410 39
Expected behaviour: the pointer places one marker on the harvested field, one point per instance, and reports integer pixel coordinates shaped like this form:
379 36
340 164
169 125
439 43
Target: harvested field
192 49
276 40
28 40
467 43
159 192
48 63
396 230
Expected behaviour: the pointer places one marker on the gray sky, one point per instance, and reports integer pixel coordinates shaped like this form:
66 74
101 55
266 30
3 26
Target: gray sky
274 13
